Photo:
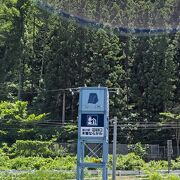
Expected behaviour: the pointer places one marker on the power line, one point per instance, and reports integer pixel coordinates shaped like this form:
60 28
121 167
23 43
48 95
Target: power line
70 90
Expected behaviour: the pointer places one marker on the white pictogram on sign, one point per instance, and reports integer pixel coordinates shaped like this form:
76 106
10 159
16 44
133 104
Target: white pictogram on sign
92 121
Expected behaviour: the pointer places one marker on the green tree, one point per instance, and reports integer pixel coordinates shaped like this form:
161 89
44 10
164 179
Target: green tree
16 122
152 76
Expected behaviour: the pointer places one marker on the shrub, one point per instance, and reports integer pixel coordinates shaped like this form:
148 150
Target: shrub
155 176
38 163
59 163
3 160
28 163
172 177
176 164
158 176
138 149
37 175
36 148
16 115
19 163
128 162
155 165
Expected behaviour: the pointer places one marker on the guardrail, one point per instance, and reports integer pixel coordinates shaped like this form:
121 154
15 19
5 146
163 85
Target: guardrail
97 172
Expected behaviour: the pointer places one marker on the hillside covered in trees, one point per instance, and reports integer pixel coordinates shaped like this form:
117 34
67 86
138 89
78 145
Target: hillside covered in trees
42 52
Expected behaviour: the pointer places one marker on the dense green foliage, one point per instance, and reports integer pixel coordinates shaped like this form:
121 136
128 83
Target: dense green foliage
138 149
127 162
16 122
35 148
37 175
41 52
29 157
40 165
49 167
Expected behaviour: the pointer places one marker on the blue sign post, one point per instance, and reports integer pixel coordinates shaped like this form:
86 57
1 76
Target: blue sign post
93 128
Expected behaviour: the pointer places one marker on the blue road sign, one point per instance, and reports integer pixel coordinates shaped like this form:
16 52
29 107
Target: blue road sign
93 127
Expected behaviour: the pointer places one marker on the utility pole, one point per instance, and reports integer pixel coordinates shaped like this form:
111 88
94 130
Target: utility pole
169 153
20 80
64 107
114 148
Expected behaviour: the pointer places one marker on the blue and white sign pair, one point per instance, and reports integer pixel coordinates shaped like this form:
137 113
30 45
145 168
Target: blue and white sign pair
92 125
93 111
93 128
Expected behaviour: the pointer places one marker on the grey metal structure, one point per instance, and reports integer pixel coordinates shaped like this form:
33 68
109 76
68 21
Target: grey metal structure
169 153
93 128
114 149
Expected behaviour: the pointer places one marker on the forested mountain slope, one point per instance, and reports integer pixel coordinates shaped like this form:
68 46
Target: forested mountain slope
41 52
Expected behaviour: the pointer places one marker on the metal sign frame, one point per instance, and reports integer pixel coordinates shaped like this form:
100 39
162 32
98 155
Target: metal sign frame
92 110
